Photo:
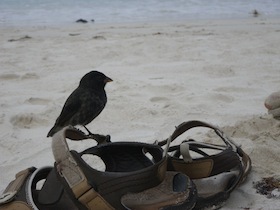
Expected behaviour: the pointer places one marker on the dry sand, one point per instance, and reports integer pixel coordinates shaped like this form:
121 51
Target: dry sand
218 71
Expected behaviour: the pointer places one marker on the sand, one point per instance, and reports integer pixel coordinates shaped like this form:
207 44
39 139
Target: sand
218 71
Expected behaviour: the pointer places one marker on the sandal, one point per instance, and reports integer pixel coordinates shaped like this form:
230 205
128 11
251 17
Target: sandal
128 171
216 169
135 178
24 192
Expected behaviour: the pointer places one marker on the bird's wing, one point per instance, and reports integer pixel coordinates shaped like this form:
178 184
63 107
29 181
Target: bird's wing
97 105
70 108
91 108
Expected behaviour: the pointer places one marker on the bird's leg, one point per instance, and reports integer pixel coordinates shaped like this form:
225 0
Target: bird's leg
101 139
89 133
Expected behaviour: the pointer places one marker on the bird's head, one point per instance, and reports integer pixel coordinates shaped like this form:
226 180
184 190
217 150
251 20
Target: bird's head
94 80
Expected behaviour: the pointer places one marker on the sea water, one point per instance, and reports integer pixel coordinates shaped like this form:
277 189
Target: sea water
50 12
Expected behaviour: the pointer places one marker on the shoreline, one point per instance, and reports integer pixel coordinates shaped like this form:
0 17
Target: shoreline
138 22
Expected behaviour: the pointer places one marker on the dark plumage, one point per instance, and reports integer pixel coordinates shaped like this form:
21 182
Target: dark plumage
85 103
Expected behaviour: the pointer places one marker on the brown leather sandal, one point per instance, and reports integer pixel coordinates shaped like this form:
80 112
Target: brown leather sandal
216 169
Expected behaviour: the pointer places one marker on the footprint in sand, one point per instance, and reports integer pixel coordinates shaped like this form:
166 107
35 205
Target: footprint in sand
222 97
29 76
9 76
236 89
27 120
37 101
161 100
219 71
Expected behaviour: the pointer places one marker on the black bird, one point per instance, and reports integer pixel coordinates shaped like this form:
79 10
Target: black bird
85 103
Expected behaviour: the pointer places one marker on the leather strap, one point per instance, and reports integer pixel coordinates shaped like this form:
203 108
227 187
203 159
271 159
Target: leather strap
20 205
183 127
14 186
68 169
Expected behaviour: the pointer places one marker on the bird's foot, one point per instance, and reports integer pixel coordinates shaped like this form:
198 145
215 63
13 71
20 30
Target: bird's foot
75 128
101 139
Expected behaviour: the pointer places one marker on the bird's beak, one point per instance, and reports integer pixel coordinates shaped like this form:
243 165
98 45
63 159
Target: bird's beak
108 80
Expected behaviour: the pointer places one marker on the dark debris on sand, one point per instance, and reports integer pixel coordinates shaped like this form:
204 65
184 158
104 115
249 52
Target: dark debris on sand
268 186
99 37
255 13
81 21
84 21
20 39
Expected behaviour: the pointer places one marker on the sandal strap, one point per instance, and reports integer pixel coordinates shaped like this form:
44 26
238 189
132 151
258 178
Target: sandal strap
14 187
231 154
124 172
68 168
185 126
206 166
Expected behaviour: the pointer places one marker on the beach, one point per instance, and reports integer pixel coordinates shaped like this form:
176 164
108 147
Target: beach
165 73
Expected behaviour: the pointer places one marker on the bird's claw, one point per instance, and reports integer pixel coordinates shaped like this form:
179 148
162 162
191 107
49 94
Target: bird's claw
101 139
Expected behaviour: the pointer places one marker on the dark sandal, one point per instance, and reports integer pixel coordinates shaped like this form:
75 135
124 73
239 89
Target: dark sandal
129 172
24 193
215 175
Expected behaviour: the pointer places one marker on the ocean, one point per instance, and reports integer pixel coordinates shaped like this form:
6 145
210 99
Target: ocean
53 12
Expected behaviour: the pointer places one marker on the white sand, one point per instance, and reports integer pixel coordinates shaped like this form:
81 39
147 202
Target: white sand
164 74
